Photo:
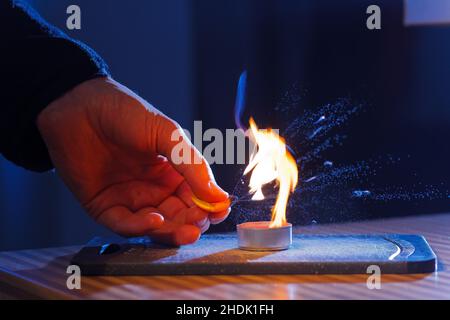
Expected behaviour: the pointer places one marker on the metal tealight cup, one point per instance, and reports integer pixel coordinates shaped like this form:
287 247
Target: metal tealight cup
257 236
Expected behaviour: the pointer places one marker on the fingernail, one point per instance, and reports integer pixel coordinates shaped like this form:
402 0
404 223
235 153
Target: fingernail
221 219
205 227
201 223
155 220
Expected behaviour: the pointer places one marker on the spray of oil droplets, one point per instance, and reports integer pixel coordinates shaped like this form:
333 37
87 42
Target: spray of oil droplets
327 192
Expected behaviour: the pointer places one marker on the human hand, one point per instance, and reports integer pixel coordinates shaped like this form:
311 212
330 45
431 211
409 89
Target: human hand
113 151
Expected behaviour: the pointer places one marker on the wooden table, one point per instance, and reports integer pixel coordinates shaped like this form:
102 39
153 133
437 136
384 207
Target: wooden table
42 274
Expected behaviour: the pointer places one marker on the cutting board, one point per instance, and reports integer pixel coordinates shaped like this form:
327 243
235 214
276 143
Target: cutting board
218 254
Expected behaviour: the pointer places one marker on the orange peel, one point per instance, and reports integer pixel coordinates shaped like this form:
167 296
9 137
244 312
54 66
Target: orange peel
213 207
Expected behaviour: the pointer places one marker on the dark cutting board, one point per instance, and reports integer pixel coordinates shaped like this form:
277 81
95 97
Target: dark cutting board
218 254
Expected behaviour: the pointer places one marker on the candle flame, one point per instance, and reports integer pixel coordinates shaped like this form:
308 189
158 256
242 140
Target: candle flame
271 161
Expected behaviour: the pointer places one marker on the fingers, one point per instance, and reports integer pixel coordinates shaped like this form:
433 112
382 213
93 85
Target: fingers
219 217
172 142
175 210
203 224
184 193
174 234
171 207
122 221
148 222
183 225
131 194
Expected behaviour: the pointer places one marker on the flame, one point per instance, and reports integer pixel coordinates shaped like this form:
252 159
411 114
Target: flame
271 161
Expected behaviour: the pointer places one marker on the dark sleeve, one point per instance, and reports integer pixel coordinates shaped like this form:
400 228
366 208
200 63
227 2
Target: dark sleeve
38 64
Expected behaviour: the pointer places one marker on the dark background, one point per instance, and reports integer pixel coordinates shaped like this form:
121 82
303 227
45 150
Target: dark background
185 57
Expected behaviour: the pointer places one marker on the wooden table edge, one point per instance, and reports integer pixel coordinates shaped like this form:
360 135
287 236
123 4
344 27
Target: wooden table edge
25 288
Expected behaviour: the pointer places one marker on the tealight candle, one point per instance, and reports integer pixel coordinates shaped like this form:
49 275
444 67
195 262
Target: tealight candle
258 236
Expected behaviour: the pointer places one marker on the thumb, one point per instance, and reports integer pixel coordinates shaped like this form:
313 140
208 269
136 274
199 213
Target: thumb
173 143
